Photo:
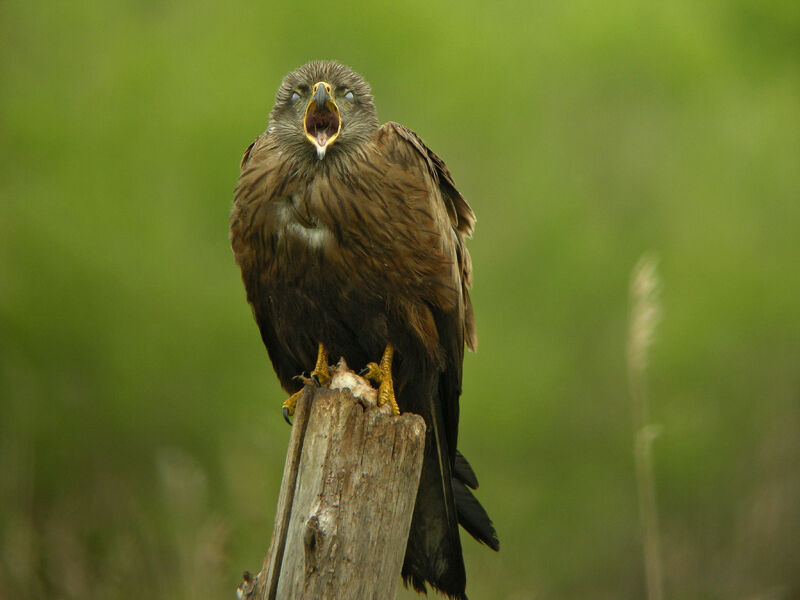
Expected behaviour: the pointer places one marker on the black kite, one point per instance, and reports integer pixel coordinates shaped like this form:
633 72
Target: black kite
350 237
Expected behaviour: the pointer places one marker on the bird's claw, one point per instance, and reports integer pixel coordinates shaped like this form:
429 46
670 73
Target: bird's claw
372 372
382 374
386 395
289 406
321 376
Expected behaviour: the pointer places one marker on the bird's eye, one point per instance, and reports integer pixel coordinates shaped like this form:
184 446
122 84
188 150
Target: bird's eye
349 96
294 98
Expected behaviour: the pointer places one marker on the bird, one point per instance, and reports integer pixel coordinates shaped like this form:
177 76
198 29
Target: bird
351 240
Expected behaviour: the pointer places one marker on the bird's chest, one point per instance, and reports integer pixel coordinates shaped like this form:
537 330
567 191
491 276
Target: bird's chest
324 238
306 248
301 228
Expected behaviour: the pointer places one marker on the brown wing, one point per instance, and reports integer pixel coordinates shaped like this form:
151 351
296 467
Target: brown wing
453 221
460 216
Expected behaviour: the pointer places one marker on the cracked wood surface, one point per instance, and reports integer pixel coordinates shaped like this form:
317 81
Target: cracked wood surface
346 500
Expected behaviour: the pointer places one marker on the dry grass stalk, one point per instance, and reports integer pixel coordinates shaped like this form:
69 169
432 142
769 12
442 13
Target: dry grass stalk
645 313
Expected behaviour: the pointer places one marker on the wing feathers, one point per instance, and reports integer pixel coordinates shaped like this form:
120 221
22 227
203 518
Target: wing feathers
459 213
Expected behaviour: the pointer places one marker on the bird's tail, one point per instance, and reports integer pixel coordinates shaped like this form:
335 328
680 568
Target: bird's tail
433 554
444 499
471 515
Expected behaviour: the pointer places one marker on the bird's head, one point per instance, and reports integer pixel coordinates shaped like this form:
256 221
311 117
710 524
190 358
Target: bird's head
322 108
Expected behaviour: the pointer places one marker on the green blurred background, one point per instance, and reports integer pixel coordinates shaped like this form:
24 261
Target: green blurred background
141 444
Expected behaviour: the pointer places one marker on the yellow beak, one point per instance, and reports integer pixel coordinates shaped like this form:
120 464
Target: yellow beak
322 121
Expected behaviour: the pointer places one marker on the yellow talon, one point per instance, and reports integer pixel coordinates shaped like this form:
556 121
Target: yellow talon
372 372
321 373
289 405
382 374
386 395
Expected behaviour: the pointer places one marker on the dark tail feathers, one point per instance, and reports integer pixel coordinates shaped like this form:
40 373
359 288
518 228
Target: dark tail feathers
471 515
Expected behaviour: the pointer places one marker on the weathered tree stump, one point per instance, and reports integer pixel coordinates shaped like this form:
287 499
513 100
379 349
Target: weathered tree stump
346 499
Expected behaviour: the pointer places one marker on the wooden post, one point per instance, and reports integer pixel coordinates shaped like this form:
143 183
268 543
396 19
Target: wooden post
346 499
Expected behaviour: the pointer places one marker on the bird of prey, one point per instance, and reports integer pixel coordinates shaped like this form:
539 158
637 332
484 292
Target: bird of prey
350 236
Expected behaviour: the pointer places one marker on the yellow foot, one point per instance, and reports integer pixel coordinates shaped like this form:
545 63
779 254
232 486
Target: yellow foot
382 374
321 375
372 372
386 395
289 406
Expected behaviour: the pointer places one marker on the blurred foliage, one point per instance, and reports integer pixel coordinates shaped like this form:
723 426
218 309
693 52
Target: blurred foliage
141 444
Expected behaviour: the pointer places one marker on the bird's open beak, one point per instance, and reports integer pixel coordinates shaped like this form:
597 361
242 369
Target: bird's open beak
322 121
